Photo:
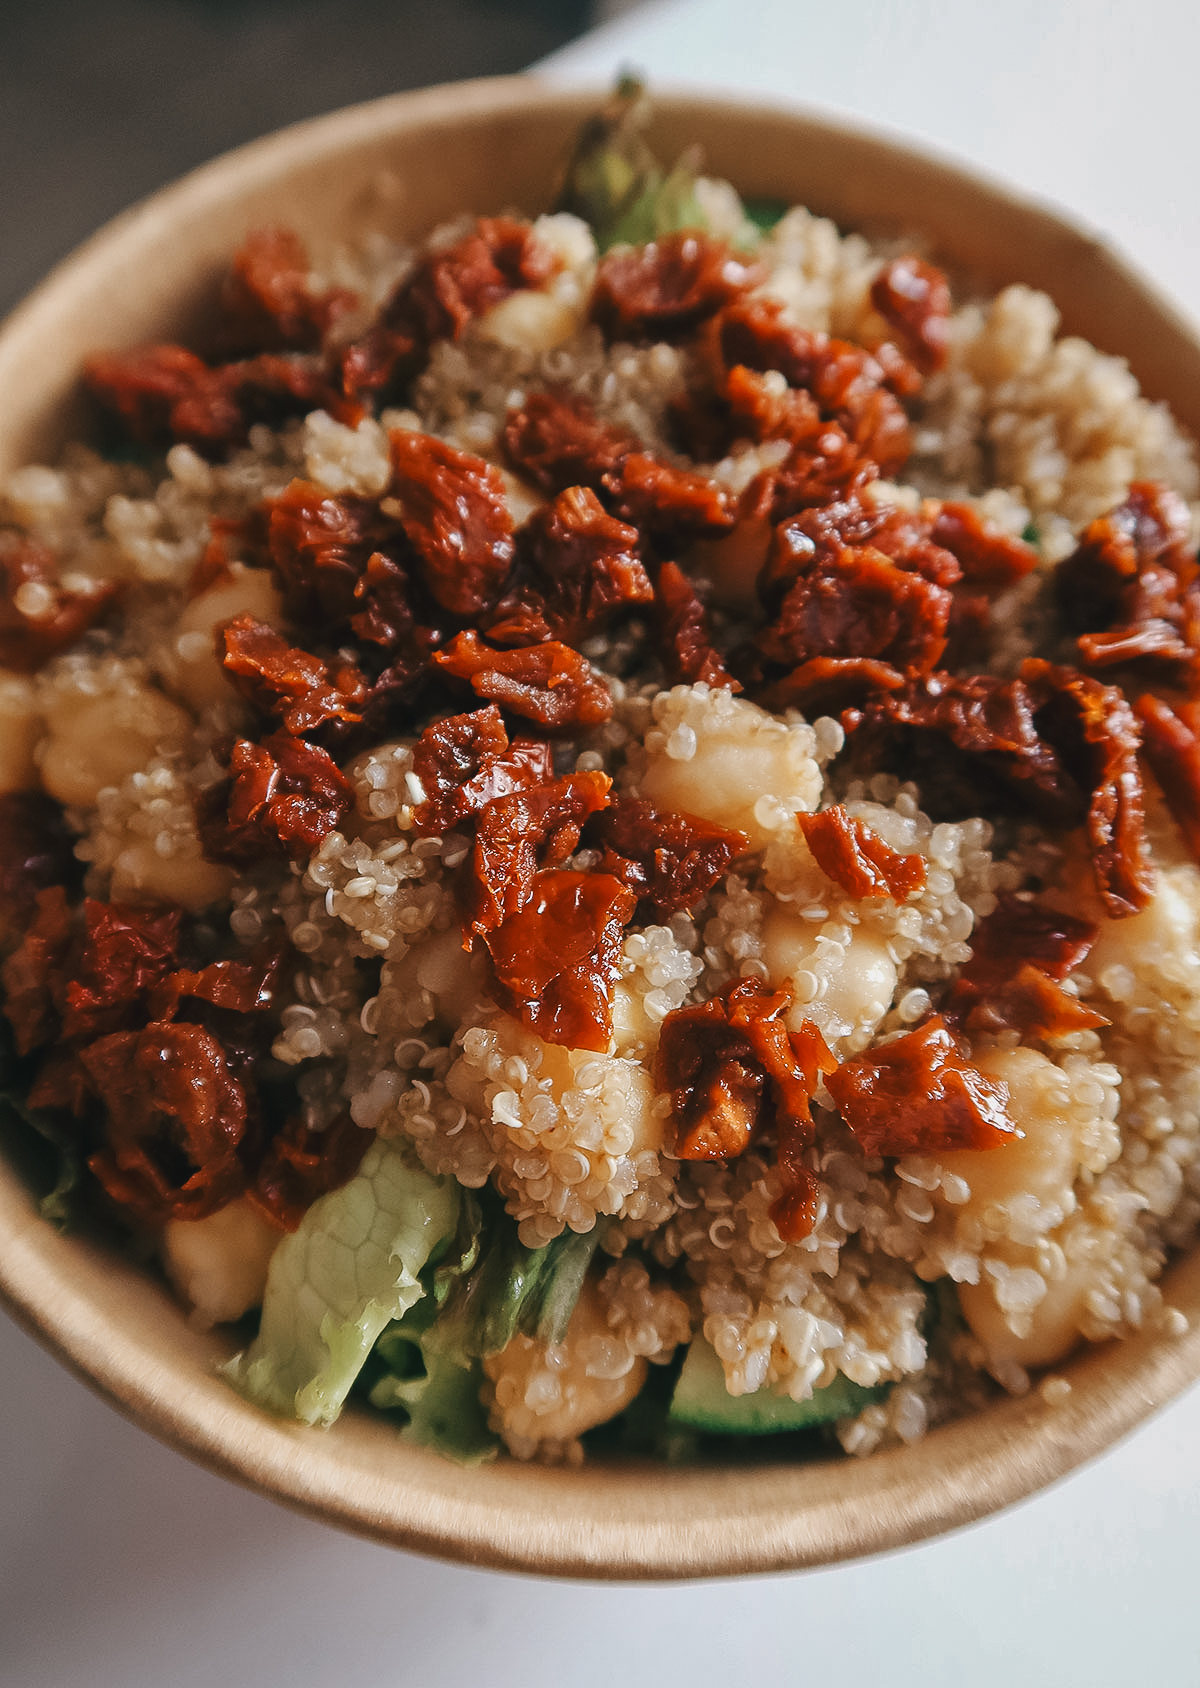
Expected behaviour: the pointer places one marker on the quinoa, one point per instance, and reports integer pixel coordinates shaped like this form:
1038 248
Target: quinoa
927 1276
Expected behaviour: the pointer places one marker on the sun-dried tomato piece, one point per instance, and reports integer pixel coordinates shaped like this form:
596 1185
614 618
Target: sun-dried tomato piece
665 500
319 546
848 383
557 958
284 680
1171 741
914 298
669 858
38 615
1131 590
237 987
465 761
858 603
917 1095
715 1080
35 967
175 1116
1019 931
550 684
37 850
855 857
456 516
519 834
557 440
730 1067
667 287
826 685
166 394
990 560
303 1163
281 798
1096 735
584 562
1028 1002
449 286
269 300
685 642
125 954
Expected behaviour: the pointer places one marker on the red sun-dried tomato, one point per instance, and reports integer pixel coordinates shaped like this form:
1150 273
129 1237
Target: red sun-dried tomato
449 286
669 286
269 300
917 1095
456 517
1172 746
1030 1003
1097 737
166 395
990 560
522 832
914 298
235 987
731 1067
303 1163
465 761
37 850
669 858
584 563
557 958
281 798
684 640
34 971
284 680
824 685
1019 931
666 501
848 383
1131 590
557 440
855 857
858 604
125 954
550 683
319 546
175 1116
714 1078
38 615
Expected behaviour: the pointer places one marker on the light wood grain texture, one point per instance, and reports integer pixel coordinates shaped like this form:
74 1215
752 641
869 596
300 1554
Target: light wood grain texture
403 164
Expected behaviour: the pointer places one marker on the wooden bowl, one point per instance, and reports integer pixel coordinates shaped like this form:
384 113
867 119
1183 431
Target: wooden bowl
403 164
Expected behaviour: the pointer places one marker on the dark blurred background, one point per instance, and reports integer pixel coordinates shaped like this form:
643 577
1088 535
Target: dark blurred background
102 101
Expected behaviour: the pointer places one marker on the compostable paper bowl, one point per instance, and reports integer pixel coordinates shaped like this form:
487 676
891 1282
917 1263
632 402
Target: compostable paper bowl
403 164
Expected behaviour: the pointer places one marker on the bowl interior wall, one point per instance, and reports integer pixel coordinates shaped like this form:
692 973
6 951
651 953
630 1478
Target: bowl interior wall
403 165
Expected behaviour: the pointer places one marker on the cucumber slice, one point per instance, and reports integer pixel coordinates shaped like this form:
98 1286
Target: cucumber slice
702 1401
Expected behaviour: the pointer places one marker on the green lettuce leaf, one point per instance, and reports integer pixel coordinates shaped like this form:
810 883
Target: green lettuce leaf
56 1135
335 1284
512 1290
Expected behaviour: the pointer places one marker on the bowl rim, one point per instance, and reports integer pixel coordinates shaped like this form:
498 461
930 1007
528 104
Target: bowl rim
119 1332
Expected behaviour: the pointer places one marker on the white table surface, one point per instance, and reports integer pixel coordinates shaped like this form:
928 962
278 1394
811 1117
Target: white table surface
123 1566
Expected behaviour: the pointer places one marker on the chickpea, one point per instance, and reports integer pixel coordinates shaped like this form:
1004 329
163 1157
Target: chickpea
551 1393
1049 1330
97 740
140 874
20 729
1043 1164
844 990
219 1264
741 756
194 671
530 321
